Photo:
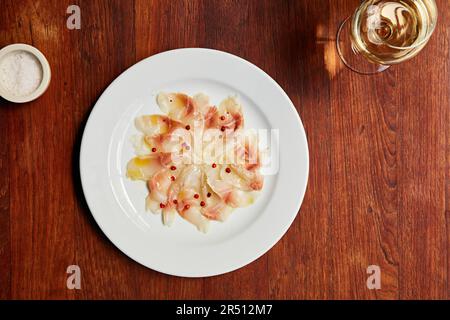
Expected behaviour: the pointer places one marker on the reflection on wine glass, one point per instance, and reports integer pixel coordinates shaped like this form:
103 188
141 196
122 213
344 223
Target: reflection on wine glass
381 33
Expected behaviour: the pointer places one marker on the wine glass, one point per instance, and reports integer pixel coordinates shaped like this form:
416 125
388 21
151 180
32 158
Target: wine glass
381 33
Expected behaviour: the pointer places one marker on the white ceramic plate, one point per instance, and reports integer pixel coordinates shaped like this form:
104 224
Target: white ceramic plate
117 203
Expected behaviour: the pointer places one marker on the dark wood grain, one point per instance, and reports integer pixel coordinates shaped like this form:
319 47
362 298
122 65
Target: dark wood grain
5 234
379 185
423 129
364 173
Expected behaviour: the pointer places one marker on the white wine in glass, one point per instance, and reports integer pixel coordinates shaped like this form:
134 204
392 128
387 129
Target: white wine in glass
381 33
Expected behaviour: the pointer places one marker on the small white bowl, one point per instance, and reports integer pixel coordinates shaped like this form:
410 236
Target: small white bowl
46 73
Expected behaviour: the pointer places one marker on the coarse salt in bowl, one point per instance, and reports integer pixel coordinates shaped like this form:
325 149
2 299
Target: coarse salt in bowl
24 73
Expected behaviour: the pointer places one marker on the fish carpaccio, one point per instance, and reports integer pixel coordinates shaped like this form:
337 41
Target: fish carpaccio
197 160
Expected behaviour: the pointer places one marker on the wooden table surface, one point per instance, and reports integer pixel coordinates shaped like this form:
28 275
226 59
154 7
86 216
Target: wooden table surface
379 185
